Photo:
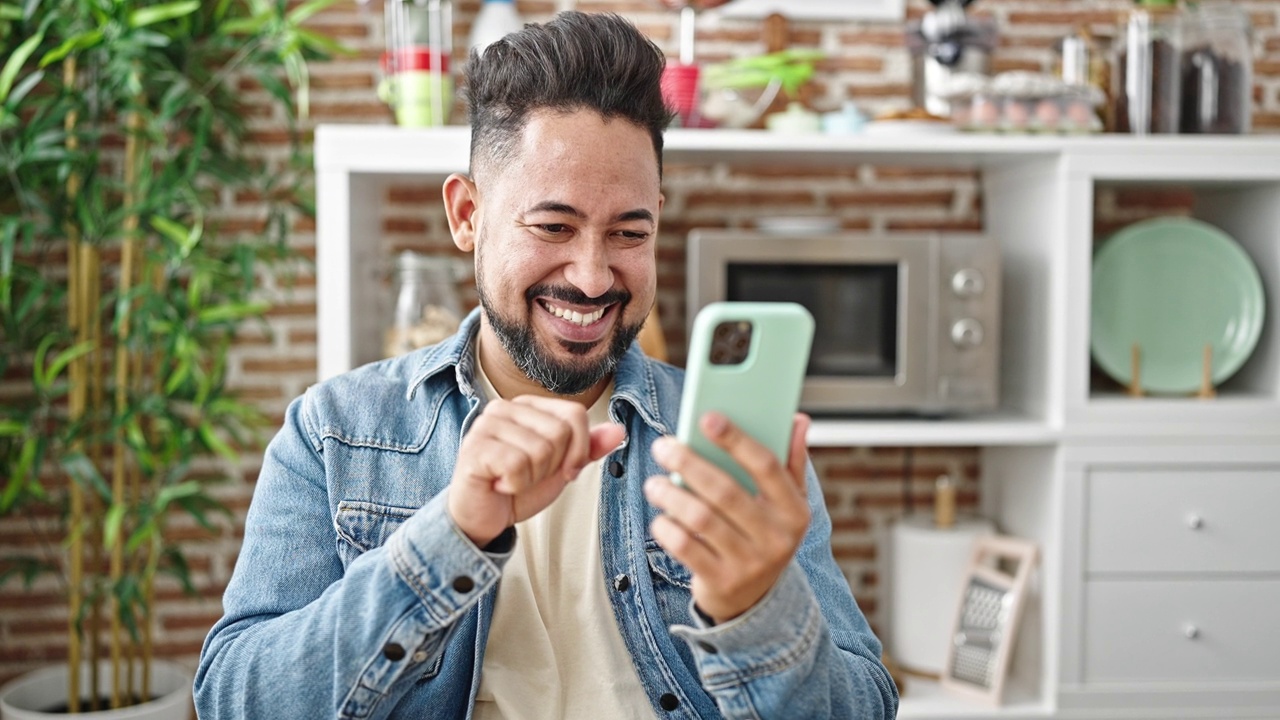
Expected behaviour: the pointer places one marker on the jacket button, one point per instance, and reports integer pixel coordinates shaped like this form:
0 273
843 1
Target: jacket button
615 468
393 652
621 583
669 702
463 584
708 647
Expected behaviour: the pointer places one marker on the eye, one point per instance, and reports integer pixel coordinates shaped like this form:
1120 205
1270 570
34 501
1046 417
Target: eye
633 236
553 228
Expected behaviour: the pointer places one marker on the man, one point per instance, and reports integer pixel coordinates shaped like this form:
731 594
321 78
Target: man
484 527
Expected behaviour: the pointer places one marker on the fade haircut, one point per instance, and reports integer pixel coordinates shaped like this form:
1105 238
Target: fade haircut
574 62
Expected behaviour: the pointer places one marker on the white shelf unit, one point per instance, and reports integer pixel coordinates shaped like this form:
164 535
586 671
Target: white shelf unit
1038 202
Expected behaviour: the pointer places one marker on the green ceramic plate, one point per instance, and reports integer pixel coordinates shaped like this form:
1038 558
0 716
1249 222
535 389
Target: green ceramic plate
1172 285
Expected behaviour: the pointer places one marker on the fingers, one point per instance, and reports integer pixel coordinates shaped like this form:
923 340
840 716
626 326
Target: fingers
710 485
566 416
697 516
605 438
771 476
798 457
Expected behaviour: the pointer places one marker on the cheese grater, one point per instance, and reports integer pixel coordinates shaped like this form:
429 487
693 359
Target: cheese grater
987 618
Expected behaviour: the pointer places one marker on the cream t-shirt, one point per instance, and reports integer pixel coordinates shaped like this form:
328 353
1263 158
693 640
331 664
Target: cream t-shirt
554 649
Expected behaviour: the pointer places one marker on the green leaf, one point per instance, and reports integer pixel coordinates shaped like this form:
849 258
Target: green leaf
38 377
18 475
112 525
177 377
28 567
231 311
215 443
159 13
303 12
27 85
76 42
141 535
64 358
246 26
82 470
175 492
10 12
15 63
9 428
323 44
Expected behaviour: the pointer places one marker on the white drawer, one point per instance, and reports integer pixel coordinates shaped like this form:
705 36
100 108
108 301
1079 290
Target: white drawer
1182 631
1208 520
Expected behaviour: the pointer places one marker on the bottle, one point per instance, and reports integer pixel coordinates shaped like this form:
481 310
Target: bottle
1217 70
496 19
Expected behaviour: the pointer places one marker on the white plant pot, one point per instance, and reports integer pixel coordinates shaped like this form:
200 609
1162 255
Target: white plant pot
29 696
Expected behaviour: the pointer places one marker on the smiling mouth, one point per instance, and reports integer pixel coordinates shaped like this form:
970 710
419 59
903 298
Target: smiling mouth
574 316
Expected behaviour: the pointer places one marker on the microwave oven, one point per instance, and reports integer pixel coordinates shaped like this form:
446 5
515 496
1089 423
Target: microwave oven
905 322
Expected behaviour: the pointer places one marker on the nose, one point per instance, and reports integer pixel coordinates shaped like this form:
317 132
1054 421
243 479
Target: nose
588 269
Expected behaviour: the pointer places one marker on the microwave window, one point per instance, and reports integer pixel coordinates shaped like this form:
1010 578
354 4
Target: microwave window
854 307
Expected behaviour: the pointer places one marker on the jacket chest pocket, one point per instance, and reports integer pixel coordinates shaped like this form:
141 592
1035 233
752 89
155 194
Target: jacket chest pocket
672 583
364 526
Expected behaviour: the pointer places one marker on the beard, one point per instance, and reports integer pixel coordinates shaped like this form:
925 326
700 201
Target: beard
573 376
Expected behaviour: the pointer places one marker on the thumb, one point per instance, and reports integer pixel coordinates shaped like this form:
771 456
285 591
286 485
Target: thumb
799 454
604 438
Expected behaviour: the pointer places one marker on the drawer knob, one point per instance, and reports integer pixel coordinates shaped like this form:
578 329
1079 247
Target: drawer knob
1195 522
1192 632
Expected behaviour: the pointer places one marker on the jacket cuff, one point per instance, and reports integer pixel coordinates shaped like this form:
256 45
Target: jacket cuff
779 632
441 565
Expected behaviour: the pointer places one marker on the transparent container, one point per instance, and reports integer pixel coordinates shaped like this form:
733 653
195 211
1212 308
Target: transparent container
427 308
1148 72
416 80
1217 70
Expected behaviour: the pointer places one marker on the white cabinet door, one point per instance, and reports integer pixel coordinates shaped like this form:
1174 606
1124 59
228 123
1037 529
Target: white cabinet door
1193 520
1180 631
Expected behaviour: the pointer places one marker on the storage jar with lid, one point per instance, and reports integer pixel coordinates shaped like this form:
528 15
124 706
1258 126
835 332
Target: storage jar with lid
427 309
1217 70
1148 70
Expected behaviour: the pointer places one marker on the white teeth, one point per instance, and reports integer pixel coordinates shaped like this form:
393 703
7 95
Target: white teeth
573 316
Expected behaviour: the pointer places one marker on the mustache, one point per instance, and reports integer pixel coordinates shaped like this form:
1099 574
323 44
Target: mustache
572 295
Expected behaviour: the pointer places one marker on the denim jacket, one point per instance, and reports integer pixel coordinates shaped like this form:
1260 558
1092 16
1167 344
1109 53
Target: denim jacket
356 596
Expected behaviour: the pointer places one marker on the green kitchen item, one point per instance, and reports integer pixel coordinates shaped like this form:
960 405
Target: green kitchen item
1173 286
418 87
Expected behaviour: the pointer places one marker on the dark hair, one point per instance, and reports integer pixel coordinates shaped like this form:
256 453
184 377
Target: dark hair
576 61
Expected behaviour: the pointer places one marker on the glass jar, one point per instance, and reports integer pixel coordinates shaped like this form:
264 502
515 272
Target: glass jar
1148 71
427 309
1217 70
416 81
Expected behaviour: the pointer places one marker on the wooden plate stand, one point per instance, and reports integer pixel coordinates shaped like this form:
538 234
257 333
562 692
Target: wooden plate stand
1206 390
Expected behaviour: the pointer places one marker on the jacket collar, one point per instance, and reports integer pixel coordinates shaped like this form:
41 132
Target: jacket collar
633 380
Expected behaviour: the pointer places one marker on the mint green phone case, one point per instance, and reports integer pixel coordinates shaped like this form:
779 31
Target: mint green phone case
760 394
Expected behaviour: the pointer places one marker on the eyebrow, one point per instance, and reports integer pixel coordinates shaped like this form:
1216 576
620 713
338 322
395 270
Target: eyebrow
567 209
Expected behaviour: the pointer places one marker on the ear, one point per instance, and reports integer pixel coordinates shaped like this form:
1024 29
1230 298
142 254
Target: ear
461 198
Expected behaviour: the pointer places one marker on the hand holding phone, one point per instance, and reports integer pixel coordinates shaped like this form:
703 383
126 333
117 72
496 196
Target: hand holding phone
738 436
746 361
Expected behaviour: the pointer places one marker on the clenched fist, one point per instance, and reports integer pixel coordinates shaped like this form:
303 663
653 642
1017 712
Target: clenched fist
517 458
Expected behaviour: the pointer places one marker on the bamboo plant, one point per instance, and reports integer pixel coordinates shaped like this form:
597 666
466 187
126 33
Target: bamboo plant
121 127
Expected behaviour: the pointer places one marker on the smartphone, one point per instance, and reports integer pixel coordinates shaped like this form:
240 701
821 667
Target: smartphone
747 361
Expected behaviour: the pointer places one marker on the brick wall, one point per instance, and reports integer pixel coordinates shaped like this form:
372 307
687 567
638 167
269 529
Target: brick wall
864 487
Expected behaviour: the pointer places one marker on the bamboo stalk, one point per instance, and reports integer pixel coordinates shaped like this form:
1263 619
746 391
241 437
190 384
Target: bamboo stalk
122 366
76 408
93 271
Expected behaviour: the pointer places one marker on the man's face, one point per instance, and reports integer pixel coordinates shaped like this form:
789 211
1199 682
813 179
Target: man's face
565 236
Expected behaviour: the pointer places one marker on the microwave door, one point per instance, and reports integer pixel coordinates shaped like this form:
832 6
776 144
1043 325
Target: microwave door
874 352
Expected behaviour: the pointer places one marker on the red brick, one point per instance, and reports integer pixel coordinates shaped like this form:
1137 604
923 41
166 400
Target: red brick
291 310
749 198
280 365
414 194
889 198
873 38
851 63
1063 17
403 225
